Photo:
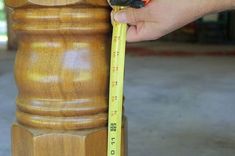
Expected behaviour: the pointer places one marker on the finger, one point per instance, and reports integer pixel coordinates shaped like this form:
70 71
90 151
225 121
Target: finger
131 16
142 32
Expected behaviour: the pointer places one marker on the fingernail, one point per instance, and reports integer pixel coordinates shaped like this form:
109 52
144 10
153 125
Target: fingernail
120 17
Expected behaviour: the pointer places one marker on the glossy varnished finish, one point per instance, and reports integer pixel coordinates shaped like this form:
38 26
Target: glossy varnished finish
62 21
21 3
62 73
32 142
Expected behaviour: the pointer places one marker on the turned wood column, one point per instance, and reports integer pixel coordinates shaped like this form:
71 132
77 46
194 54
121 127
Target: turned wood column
62 73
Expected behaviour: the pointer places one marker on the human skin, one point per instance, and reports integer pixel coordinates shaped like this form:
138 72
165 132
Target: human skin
161 17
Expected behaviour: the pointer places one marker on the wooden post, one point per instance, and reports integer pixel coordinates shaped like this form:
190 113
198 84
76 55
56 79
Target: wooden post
62 73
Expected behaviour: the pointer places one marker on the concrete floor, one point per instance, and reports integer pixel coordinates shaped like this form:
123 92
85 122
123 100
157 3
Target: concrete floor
175 106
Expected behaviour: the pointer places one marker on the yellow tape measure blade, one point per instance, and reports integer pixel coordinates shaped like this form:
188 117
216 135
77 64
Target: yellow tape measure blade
116 87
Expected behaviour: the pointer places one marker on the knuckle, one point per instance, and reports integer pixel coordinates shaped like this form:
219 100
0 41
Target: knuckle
132 15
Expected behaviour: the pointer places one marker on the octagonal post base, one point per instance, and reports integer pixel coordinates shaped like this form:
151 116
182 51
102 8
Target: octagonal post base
32 142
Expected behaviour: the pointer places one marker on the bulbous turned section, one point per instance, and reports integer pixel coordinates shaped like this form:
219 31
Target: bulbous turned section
62 67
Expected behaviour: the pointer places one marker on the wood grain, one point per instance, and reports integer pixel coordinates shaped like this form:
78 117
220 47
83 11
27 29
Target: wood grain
62 67
21 3
62 73
31 142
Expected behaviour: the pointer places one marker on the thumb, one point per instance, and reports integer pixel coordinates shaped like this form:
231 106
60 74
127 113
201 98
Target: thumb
130 16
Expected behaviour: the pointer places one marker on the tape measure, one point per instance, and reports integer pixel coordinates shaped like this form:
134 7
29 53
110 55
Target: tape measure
117 77
116 87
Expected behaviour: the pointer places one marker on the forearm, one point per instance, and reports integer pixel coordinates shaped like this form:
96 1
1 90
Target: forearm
161 17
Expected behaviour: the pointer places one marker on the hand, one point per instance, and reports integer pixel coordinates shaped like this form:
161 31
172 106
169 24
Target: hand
161 17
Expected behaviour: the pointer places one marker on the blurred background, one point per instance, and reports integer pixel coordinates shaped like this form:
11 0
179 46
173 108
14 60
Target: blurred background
180 90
